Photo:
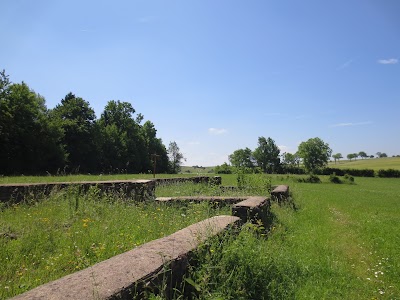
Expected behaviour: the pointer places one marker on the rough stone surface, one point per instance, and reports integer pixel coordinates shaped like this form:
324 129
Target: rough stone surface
252 209
280 193
116 277
197 179
138 189
198 199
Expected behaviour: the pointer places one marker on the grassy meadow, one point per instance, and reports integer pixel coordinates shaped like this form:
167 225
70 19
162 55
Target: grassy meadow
338 241
66 232
84 177
369 163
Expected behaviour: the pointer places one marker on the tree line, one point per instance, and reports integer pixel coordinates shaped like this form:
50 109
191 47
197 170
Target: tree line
313 154
70 138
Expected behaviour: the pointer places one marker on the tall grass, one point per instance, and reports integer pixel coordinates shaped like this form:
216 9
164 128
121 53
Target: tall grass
83 177
48 238
340 243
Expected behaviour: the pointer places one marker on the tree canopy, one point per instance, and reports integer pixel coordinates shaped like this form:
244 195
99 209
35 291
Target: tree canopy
69 138
266 155
337 157
176 157
315 154
30 140
242 158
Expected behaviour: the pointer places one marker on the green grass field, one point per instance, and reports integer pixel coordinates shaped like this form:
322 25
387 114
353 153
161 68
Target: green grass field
341 241
67 232
75 178
370 163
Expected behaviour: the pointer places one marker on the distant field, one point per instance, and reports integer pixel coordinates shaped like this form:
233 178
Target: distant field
197 170
370 163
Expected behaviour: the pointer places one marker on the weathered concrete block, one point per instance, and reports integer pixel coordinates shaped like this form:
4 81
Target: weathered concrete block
137 189
197 179
252 209
199 199
124 274
280 193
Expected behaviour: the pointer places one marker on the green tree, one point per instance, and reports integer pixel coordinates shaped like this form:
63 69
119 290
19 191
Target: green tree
155 146
30 140
315 154
267 155
362 154
223 169
350 156
4 85
175 157
290 159
337 157
242 158
77 119
122 142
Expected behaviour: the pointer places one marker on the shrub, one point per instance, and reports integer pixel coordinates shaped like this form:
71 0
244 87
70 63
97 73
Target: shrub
353 172
349 178
310 179
334 179
292 170
223 169
389 173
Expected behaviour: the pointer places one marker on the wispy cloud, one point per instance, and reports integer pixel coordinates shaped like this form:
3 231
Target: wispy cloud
390 61
217 131
351 124
345 65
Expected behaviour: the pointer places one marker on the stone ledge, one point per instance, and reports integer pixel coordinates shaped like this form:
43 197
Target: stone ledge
120 275
252 209
280 193
199 199
139 189
195 179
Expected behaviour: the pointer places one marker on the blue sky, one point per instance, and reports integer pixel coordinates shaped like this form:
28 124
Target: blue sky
215 75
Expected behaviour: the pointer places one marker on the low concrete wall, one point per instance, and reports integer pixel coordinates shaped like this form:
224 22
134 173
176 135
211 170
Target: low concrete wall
280 193
198 179
199 199
138 189
127 273
253 209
